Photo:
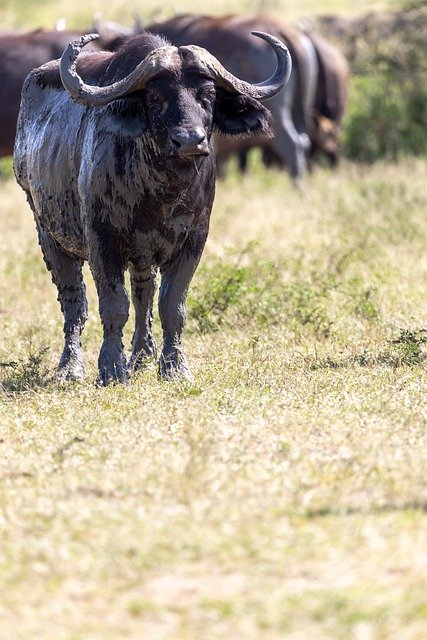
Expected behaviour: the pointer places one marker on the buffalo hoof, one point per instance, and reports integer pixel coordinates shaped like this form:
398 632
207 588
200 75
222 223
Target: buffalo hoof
114 373
143 357
173 366
70 366
112 365
72 371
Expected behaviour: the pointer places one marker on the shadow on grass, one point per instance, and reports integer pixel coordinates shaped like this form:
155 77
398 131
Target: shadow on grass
407 350
25 374
325 512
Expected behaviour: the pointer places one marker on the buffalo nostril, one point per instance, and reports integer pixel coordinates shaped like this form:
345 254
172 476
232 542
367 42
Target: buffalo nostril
199 136
188 138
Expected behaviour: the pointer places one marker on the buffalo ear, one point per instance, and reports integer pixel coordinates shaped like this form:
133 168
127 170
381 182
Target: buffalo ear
237 115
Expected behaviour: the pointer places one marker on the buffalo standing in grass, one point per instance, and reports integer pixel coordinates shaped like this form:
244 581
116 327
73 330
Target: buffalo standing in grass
118 166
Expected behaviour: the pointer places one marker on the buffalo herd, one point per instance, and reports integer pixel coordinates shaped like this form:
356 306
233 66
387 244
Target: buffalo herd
117 147
307 115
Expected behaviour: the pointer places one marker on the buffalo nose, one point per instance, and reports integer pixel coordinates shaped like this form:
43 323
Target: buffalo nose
188 141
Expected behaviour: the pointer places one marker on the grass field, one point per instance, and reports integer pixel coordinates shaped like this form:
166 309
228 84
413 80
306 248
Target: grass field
283 495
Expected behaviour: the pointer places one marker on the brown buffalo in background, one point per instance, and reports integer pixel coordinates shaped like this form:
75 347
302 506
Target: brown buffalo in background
330 99
20 52
229 39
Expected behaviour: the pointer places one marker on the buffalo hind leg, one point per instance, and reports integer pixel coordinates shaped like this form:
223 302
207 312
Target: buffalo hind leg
173 292
67 276
107 266
143 285
291 147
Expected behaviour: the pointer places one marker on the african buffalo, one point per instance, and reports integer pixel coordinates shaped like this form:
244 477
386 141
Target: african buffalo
115 154
330 99
229 39
19 53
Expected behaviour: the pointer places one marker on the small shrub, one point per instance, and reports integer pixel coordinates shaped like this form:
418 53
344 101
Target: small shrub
225 285
26 373
410 346
361 299
266 293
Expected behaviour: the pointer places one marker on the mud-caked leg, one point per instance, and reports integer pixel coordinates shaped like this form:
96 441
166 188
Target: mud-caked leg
173 292
143 285
67 275
107 266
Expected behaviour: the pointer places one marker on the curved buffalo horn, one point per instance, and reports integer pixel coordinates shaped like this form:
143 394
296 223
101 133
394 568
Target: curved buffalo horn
162 58
95 96
261 91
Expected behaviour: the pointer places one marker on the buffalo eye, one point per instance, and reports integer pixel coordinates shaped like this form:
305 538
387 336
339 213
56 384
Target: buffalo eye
205 96
156 98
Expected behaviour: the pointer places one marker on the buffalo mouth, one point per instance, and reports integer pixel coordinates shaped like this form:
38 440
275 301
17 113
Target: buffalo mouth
189 157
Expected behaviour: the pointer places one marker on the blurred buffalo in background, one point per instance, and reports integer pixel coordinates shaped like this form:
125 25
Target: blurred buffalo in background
20 52
330 99
229 39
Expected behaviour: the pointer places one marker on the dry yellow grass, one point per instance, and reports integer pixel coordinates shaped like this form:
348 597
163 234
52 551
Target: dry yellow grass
281 496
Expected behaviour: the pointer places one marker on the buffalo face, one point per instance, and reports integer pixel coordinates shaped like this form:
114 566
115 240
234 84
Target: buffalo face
183 111
179 114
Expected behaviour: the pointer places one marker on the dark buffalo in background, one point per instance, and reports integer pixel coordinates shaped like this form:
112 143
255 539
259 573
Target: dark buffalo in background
330 99
19 54
229 39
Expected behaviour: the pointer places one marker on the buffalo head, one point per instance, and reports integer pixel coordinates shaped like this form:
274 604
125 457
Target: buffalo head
179 94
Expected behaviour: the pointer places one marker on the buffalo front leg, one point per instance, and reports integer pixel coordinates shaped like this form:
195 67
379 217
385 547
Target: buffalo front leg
107 266
143 284
67 276
172 297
